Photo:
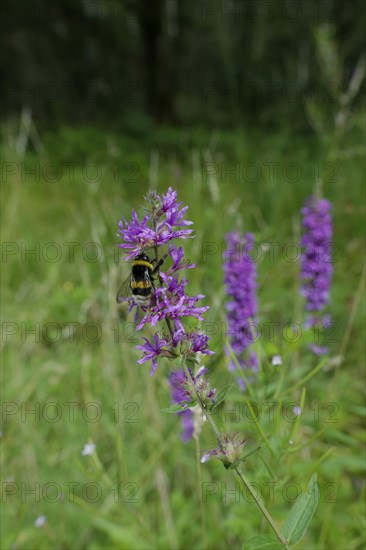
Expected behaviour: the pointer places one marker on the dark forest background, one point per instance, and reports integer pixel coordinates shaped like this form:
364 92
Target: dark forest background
131 63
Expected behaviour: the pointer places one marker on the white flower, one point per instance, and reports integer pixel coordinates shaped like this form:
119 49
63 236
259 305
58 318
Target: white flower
88 450
41 520
277 360
297 410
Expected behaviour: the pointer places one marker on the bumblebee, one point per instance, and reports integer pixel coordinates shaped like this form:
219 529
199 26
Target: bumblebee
139 285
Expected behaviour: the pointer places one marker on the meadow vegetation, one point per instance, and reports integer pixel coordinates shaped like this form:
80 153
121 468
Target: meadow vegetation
68 350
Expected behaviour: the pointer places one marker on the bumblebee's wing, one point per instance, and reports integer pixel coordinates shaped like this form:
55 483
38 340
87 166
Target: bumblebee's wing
148 280
124 293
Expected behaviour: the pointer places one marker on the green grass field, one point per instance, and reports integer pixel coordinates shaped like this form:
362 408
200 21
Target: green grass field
68 350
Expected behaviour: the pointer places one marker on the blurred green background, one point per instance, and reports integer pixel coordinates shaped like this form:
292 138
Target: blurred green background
245 108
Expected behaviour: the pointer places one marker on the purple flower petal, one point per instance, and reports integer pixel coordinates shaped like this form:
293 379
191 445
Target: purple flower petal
316 267
241 284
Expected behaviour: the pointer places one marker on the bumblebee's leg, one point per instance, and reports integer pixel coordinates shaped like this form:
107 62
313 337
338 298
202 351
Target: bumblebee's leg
136 318
160 262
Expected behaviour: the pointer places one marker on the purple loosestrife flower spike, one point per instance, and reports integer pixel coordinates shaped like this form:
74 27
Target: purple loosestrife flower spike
241 285
316 267
169 300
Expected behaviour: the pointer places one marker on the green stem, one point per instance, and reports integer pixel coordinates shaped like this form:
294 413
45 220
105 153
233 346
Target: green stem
352 315
307 377
261 506
201 404
200 501
296 424
168 322
257 425
239 368
241 476
267 467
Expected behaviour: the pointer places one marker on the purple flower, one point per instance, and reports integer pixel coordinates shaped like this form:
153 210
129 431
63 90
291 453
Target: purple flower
169 200
184 389
318 350
182 392
169 300
187 425
174 216
324 321
156 228
179 262
316 267
228 451
180 395
241 285
167 346
193 342
199 343
172 302
153 350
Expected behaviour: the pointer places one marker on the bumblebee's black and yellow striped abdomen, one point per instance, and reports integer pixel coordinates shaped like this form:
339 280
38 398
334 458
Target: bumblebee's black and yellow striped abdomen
141 282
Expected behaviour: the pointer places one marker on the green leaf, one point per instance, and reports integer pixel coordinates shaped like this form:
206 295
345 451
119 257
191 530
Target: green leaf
242 459
221 396
236 463
263 543
120 534
177 407
301 513
192 359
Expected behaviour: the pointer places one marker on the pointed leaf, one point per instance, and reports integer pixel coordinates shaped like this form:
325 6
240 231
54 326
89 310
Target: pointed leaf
263 543
178 407
301 513
221 396
242 459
